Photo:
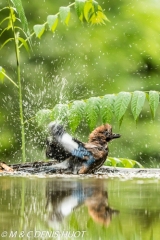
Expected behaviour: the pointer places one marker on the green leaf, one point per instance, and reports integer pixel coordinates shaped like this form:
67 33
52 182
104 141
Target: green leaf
121 104
137 102
5 29
5 19
39 30
4 8
153 102
43 117
52 21
24 43
137 164
122 162
115 161
92 111
2 71
79 6
95 6
19 7
3 74
60 112
93 13
88 10
107 107
129 163
75 114
98 17
8 40
108 163
64 14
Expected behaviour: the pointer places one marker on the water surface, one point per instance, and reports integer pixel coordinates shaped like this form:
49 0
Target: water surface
79 208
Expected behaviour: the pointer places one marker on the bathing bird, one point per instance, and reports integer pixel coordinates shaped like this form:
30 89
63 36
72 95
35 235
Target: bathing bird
75 156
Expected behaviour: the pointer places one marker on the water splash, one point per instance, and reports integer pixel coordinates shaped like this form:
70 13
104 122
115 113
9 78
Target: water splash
62 95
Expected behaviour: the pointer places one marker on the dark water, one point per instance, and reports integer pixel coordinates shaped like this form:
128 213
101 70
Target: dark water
74 208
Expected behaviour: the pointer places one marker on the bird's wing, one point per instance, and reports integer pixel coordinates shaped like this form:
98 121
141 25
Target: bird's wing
73 146
55 150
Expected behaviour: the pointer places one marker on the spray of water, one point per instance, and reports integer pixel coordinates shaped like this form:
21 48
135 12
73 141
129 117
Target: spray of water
62 94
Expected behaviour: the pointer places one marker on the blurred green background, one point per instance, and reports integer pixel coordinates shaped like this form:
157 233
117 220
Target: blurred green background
81 61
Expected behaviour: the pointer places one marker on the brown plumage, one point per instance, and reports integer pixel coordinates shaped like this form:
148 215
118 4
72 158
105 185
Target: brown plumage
76 156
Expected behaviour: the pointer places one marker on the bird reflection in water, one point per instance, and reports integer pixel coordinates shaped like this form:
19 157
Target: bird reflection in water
64 197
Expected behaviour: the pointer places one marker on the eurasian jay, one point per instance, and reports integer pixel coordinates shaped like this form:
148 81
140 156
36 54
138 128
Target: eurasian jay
75 156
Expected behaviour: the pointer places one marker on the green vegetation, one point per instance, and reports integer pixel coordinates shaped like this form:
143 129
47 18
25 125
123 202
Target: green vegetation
84 75
100 107
87 10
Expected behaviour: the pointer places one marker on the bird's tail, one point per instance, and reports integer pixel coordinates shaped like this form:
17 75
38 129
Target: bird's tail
66 140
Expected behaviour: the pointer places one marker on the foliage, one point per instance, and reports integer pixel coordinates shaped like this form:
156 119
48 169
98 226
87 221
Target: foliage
122 162
90 11
17 40
104 108
87 10
95 61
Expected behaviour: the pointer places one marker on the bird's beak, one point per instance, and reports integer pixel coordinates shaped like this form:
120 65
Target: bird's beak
115 135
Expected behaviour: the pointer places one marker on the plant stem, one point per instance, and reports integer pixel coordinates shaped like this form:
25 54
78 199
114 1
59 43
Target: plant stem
21 110
19 88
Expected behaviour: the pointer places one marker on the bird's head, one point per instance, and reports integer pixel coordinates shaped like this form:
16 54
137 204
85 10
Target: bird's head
103 134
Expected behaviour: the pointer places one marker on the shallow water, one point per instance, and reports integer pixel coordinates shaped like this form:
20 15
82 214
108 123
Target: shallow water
79 208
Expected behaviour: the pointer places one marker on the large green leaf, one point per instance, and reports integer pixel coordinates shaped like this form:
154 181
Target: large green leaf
79 6
64 14
153 102
121 104
92 111
39 30
107 107
75 114
52 21
137 102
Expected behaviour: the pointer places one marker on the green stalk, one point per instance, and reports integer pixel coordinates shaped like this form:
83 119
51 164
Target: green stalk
19 88
21 107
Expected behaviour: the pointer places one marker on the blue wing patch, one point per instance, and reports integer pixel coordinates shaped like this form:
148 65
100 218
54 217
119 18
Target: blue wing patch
81 152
